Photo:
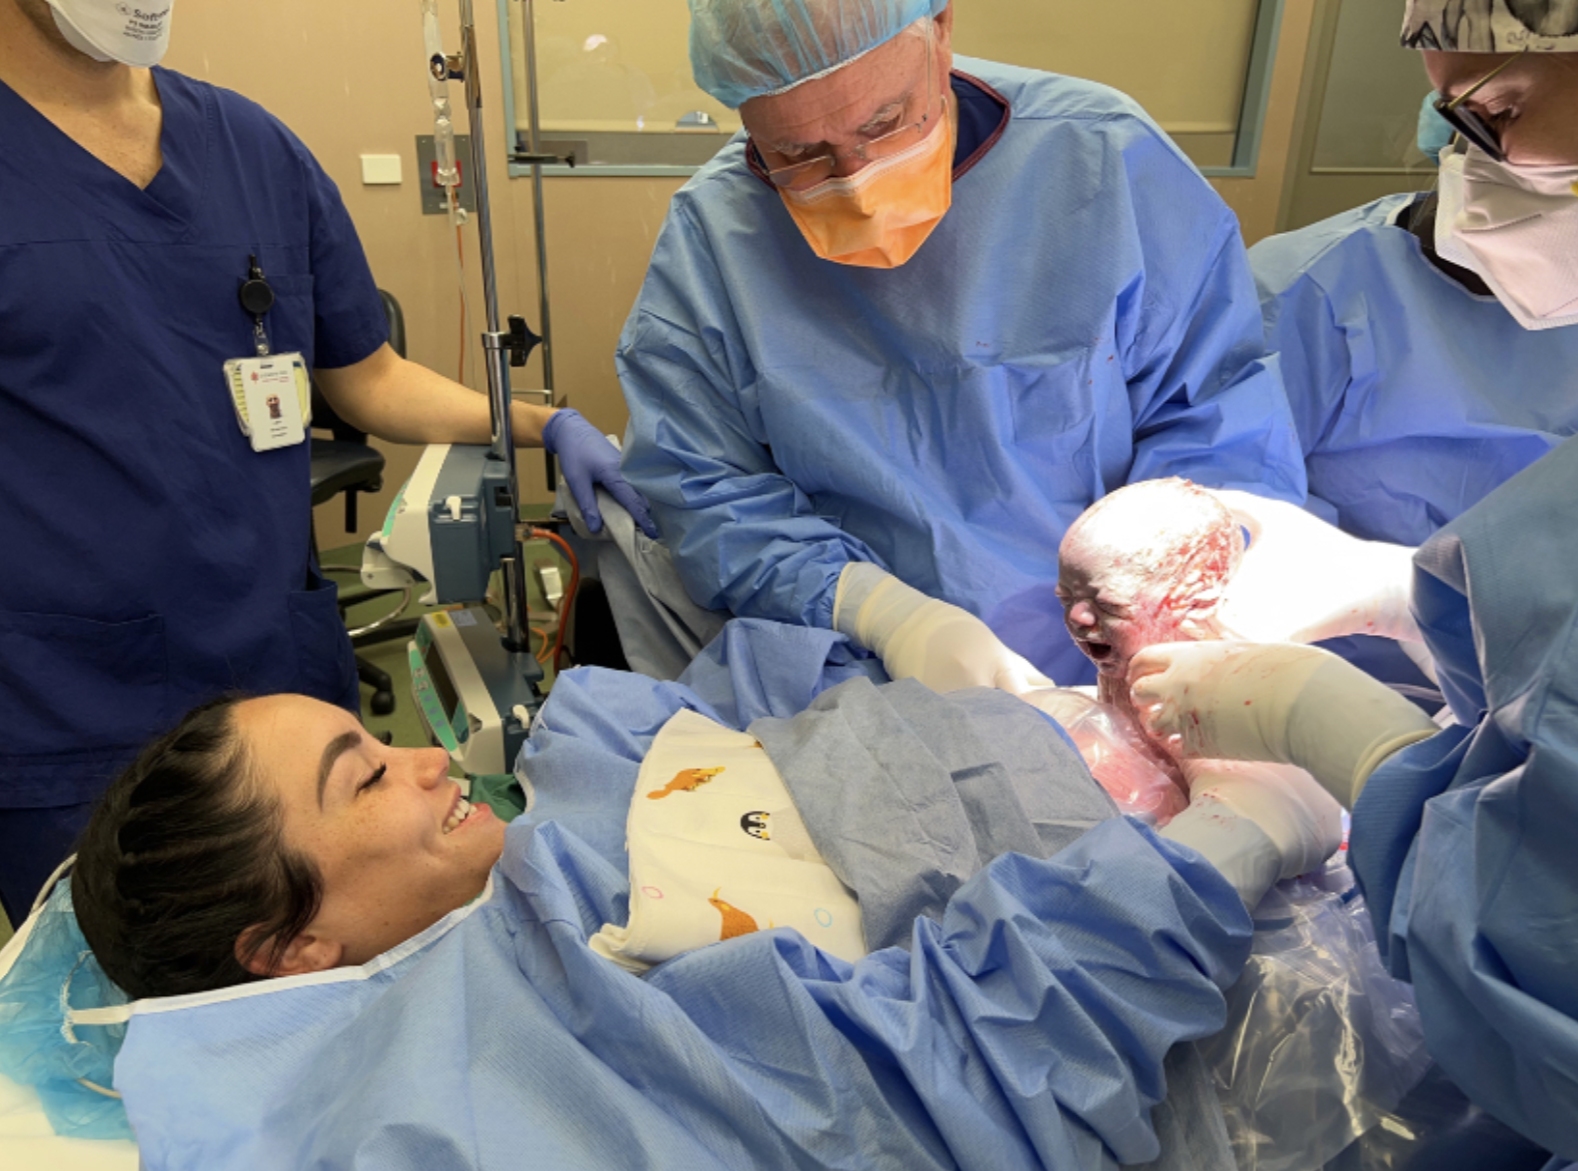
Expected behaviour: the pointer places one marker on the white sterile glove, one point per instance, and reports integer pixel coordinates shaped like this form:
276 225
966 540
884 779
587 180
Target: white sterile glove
917 637
1303 580
1278 702
1257 823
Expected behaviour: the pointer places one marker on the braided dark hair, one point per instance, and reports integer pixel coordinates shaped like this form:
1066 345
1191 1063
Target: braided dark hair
185 856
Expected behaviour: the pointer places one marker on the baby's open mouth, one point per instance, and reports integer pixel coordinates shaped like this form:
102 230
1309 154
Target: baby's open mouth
1096 651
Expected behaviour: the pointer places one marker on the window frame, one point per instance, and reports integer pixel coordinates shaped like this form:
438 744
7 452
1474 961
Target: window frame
1246 139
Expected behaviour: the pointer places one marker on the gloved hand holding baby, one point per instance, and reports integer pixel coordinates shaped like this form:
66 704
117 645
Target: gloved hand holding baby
1229 746
1299 580
1258 734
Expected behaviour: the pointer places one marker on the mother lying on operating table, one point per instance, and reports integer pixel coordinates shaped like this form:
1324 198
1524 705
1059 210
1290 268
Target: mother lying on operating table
1031 960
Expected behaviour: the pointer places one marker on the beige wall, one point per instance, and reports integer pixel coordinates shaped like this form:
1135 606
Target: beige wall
1359 114
1185 63
346 75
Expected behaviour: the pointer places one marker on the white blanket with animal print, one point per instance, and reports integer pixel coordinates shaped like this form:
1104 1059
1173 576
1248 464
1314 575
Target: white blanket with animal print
717 850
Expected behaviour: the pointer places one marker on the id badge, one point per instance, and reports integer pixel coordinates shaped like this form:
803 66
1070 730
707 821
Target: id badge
272 397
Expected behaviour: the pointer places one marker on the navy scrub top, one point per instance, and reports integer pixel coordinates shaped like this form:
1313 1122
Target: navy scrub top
152 559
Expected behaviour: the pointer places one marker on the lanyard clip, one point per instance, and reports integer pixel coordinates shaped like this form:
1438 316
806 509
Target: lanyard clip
257 298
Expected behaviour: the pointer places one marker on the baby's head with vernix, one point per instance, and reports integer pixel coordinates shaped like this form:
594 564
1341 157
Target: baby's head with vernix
1143 565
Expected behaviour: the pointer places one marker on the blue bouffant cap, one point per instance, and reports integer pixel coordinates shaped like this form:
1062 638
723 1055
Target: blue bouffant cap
743 49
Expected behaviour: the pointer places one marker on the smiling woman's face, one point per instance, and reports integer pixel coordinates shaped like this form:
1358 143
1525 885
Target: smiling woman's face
395 844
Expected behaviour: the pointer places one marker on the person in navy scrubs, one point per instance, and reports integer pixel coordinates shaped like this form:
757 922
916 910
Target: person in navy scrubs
152 557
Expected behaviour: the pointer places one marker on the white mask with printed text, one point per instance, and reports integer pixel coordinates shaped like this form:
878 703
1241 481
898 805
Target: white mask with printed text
133 32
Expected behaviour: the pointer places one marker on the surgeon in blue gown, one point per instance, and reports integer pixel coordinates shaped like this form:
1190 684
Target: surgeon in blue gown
152 557
1462 837
899 335
1428 356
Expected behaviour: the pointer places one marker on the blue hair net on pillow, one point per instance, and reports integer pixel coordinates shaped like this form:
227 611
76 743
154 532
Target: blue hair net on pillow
742 49
54 971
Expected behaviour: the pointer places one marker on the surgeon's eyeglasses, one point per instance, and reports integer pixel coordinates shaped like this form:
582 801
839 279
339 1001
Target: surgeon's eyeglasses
890 139
1469 123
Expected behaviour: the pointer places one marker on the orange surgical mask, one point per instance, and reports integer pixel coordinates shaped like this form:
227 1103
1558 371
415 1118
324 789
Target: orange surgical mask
881 215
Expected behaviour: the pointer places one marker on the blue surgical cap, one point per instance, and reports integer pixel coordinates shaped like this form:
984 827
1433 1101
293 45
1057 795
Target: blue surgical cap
742 49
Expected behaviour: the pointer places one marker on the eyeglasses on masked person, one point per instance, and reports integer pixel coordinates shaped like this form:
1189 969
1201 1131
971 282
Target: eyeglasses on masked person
1508 196
895 127
1482 132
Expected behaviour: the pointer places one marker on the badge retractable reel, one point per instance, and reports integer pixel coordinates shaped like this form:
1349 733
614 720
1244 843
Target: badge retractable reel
272 393
456 521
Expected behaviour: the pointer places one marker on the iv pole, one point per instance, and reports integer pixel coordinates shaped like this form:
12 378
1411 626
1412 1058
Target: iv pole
501 350
536 158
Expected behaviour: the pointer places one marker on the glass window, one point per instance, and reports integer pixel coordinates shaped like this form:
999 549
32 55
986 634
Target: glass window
1369 119
615 88
1363 91
1187 64
614 84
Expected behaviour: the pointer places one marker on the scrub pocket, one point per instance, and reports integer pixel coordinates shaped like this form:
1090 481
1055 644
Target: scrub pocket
325 663
75 693
292 322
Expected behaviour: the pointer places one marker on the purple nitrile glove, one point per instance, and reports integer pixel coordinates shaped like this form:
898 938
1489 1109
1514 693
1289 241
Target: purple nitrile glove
588 459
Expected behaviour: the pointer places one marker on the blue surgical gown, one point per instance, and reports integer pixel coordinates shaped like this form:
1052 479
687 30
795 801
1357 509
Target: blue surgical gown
1465 843
152 558
1413 397
1083 316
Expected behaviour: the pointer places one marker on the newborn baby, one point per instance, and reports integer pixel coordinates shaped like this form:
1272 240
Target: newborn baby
1146 564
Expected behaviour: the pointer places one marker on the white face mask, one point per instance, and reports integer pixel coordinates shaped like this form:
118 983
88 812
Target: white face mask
133 32
1517 227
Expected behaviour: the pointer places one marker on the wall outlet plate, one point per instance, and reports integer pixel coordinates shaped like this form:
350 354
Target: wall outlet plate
381 170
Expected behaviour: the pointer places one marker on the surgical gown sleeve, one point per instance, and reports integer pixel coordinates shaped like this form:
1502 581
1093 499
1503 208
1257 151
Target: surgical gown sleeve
1208 403
1465 842
746 539
1302 327
1027 1028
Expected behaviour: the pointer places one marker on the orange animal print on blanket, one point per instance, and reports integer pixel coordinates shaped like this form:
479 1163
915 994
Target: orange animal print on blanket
687 781
735 921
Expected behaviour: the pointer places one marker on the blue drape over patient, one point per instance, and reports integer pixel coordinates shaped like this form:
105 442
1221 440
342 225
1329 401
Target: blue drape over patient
1465 842
1026 1027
